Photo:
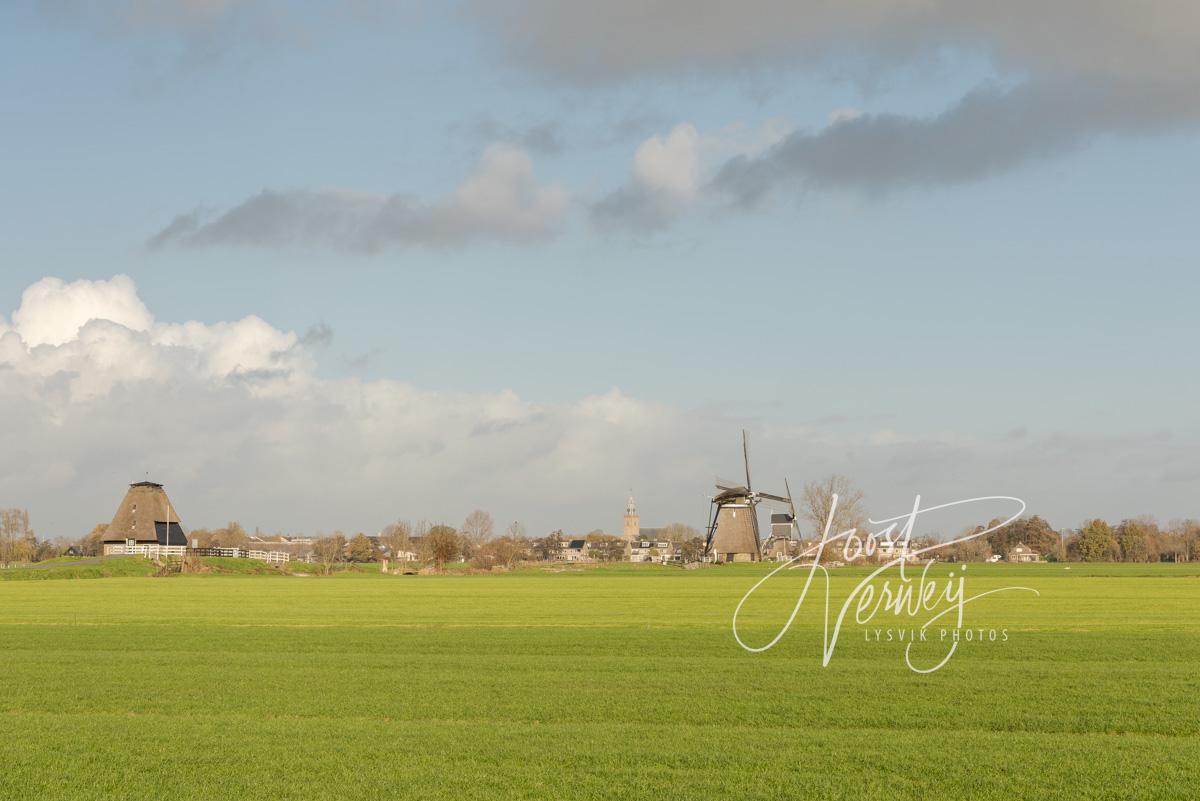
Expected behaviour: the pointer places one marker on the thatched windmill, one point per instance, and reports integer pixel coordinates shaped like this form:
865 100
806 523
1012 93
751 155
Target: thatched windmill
733 519
145 517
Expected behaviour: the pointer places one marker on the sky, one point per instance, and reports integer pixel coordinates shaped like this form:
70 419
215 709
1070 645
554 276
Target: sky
326 265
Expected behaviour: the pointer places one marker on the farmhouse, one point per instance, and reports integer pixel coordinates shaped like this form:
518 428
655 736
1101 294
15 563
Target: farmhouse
145 517
1023 553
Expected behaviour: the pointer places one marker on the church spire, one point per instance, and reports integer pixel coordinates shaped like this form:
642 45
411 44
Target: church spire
633 524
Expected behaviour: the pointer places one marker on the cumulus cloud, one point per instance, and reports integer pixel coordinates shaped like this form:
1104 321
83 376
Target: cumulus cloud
501 201
88 338
95 391
234 418
52 313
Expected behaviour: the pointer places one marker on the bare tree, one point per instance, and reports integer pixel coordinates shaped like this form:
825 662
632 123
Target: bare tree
679 532
93 543
398 538
231 536
516 530
549 547
17 540
817 505
328 551
478 527
977 549
501 551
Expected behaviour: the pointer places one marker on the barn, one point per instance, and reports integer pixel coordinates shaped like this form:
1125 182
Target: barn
145 517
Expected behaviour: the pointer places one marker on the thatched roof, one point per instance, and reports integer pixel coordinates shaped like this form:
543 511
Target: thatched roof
143 516
736 532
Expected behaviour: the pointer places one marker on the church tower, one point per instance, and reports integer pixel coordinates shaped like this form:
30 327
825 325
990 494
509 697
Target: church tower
633 524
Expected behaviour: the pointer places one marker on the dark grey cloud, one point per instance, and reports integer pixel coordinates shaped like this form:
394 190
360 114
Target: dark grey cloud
1071 70
990 130
637 208
583 41
501 201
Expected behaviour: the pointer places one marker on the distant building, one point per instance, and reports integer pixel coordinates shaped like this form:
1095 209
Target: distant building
145 517
1023 553
781 546
574 551
643 540
886 550
735 532
661 551
633 523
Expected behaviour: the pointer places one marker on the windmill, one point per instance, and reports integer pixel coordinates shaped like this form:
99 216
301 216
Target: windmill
733 518
781 544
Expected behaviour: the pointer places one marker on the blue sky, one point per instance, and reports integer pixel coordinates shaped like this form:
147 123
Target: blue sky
1050 296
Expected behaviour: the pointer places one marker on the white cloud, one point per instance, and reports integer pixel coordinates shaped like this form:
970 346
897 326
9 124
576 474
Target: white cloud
670 171
233 417
670 164
52 312
504 198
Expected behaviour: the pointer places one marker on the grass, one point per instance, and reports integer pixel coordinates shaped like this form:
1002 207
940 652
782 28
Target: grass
619 682
64 569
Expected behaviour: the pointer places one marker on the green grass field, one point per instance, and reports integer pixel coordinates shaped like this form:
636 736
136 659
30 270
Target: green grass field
606 683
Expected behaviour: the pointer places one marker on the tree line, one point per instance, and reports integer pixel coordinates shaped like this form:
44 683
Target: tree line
1139 539
476 542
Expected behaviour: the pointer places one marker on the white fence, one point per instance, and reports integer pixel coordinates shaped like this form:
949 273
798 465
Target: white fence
269 556
161 551
148 551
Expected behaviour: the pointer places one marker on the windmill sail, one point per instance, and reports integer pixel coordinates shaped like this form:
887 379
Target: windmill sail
733 534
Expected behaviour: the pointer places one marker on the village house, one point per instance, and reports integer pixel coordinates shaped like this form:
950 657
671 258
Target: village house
575 551
653 551
646 544
1023 553
886 550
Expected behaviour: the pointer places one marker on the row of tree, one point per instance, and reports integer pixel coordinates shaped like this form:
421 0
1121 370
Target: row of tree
1134 540
476 543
